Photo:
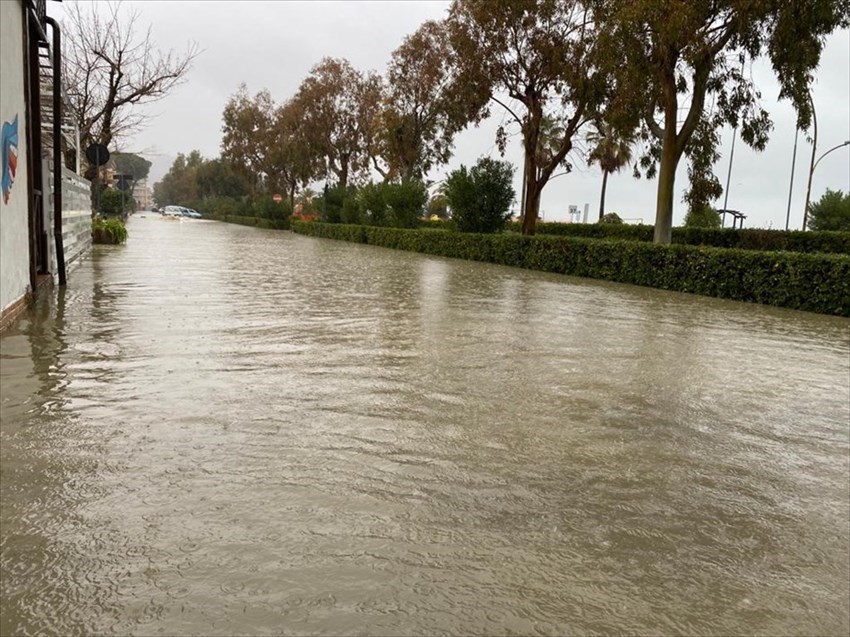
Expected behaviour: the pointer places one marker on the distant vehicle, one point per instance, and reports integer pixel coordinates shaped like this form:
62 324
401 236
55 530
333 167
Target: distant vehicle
172 211
191 213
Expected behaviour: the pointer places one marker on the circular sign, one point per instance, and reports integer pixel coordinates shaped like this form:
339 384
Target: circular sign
124 182
97 154
277 198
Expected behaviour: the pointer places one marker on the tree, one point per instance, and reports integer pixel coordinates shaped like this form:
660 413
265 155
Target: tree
422 113
110 65
669 56
831 212
248 138
179 186
218 178
291 151
130 164
339 107
612 150
480 198
540 53
702 217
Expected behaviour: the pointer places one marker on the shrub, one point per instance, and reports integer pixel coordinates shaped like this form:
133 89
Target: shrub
813 282
702 217
111 230
114 203
611 218
406 202
747 238
371 206
830 212
480 198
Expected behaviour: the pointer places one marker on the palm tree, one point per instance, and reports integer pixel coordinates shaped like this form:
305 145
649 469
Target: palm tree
612 151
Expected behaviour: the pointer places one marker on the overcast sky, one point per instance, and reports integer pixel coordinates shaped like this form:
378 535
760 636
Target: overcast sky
274 44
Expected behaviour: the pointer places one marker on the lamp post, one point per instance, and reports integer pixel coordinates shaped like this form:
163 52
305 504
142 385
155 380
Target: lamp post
811 172
791 186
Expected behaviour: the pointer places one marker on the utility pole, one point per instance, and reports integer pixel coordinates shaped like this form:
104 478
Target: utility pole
729 173
791 185
812 163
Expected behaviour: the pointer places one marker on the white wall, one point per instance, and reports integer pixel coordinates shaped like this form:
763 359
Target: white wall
14 230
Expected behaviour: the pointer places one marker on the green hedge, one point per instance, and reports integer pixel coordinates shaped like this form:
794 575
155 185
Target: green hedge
813 282
258 222
745 239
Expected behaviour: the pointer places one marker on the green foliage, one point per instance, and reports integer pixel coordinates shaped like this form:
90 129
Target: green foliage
110 230
217 178
114 203
830 212
131 164
265 207
746 239
438 205
406 202
480 198
610 218
257 222
330 204
372 206
702 217
813 282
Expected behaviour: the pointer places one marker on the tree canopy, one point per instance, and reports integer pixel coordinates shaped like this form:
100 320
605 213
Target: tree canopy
669 56
830 212
539 54
110 64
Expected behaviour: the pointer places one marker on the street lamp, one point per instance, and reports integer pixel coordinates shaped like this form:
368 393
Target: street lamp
811 172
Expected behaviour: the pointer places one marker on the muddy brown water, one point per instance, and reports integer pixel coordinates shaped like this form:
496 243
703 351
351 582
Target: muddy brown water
220 430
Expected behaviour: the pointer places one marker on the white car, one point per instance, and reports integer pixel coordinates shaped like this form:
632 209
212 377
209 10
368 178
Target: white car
172 211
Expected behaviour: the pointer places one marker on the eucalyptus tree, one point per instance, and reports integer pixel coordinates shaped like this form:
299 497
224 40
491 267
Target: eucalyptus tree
247 139
422 110
680 65
540 55
339 115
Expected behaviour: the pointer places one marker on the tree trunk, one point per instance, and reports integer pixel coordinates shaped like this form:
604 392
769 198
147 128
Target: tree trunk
664 198
531 136
343 174
532 205
602 197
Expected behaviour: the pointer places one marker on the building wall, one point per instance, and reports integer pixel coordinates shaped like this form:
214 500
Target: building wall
14 225
142 194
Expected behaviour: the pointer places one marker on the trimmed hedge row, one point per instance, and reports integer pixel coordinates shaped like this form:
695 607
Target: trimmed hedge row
743 238
812 282
259 222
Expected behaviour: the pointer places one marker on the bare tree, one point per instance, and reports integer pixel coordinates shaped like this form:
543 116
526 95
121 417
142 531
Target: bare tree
110 65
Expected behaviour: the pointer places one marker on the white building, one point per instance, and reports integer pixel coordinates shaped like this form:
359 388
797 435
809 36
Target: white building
143 195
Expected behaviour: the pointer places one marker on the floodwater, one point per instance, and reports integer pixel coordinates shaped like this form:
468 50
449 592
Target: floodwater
220 430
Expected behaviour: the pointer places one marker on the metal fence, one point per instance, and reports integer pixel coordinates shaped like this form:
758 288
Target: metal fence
76 216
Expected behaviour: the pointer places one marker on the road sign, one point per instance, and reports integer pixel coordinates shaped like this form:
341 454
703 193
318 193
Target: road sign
277 198
97 154
124 182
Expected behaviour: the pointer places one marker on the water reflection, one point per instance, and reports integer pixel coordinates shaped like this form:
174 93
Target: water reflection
223 430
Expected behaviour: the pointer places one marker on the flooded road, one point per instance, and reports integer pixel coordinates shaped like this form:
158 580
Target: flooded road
220 430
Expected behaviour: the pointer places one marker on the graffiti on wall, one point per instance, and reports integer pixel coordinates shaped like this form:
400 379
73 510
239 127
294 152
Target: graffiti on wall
9 147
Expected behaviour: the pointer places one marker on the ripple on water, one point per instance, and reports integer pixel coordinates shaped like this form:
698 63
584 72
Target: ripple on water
222 430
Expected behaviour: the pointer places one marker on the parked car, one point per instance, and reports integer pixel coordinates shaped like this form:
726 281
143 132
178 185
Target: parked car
172 211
